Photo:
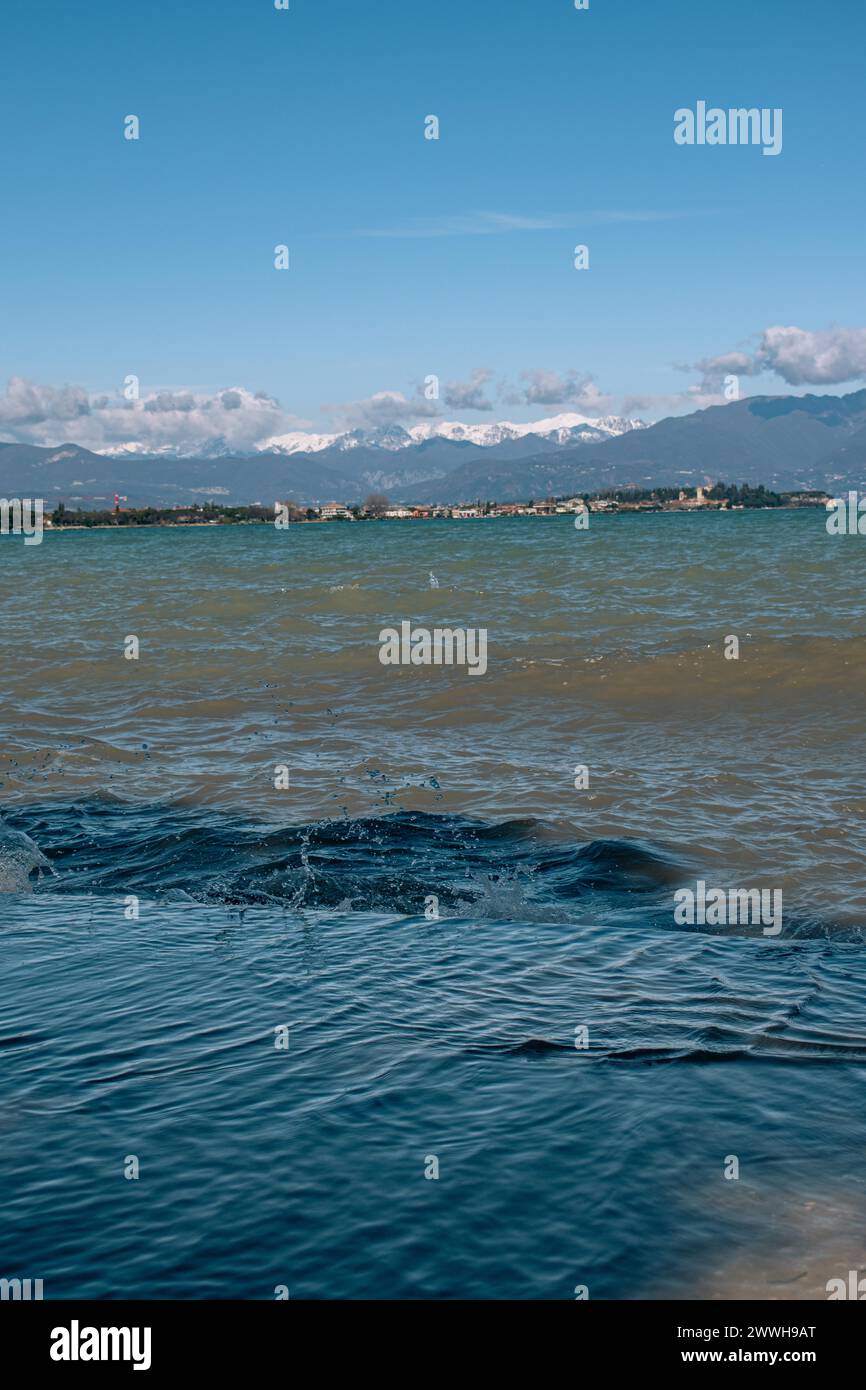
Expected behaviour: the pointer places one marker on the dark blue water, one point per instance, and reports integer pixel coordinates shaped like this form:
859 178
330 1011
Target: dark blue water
408 1039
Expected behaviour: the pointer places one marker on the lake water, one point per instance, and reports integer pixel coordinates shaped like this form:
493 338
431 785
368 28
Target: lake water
288 1003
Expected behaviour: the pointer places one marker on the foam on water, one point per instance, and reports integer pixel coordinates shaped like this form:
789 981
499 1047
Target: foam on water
20 858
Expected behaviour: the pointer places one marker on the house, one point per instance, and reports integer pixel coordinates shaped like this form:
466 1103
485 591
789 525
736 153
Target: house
334 511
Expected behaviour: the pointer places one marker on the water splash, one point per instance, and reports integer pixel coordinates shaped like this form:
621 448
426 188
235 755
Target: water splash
20 857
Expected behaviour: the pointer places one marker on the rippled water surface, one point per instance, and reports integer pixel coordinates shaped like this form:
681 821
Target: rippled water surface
164 909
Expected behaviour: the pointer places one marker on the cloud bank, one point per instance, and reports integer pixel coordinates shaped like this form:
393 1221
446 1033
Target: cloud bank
238 420
181 420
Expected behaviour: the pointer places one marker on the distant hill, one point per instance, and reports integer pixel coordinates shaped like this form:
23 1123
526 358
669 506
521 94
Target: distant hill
78 477
784 442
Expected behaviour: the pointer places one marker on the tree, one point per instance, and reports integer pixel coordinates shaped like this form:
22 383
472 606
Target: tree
294 512
376 504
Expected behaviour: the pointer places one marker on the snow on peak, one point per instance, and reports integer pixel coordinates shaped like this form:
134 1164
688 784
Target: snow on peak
560 428
297 442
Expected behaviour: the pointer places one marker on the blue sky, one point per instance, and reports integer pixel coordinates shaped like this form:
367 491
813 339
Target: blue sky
411 257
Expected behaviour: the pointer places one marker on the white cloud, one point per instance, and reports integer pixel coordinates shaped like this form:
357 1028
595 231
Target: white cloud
184 420
799 357
27 406
383 408
482 223
542 387
469 395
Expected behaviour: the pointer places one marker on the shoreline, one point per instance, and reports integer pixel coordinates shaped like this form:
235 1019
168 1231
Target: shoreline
626 510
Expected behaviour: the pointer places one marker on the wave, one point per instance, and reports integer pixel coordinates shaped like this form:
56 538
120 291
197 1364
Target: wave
406 863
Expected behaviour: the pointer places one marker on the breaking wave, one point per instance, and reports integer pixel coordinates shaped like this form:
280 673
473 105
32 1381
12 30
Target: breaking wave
406 863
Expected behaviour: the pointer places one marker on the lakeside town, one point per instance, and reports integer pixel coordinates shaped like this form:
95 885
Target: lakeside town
378 507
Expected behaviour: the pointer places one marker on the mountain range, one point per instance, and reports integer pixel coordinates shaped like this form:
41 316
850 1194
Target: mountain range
784 442
559 429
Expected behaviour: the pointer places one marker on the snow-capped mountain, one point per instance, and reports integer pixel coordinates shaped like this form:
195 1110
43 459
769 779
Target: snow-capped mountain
199 449
298 442
559 429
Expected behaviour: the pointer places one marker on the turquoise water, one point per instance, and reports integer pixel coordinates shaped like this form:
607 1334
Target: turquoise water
170 908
